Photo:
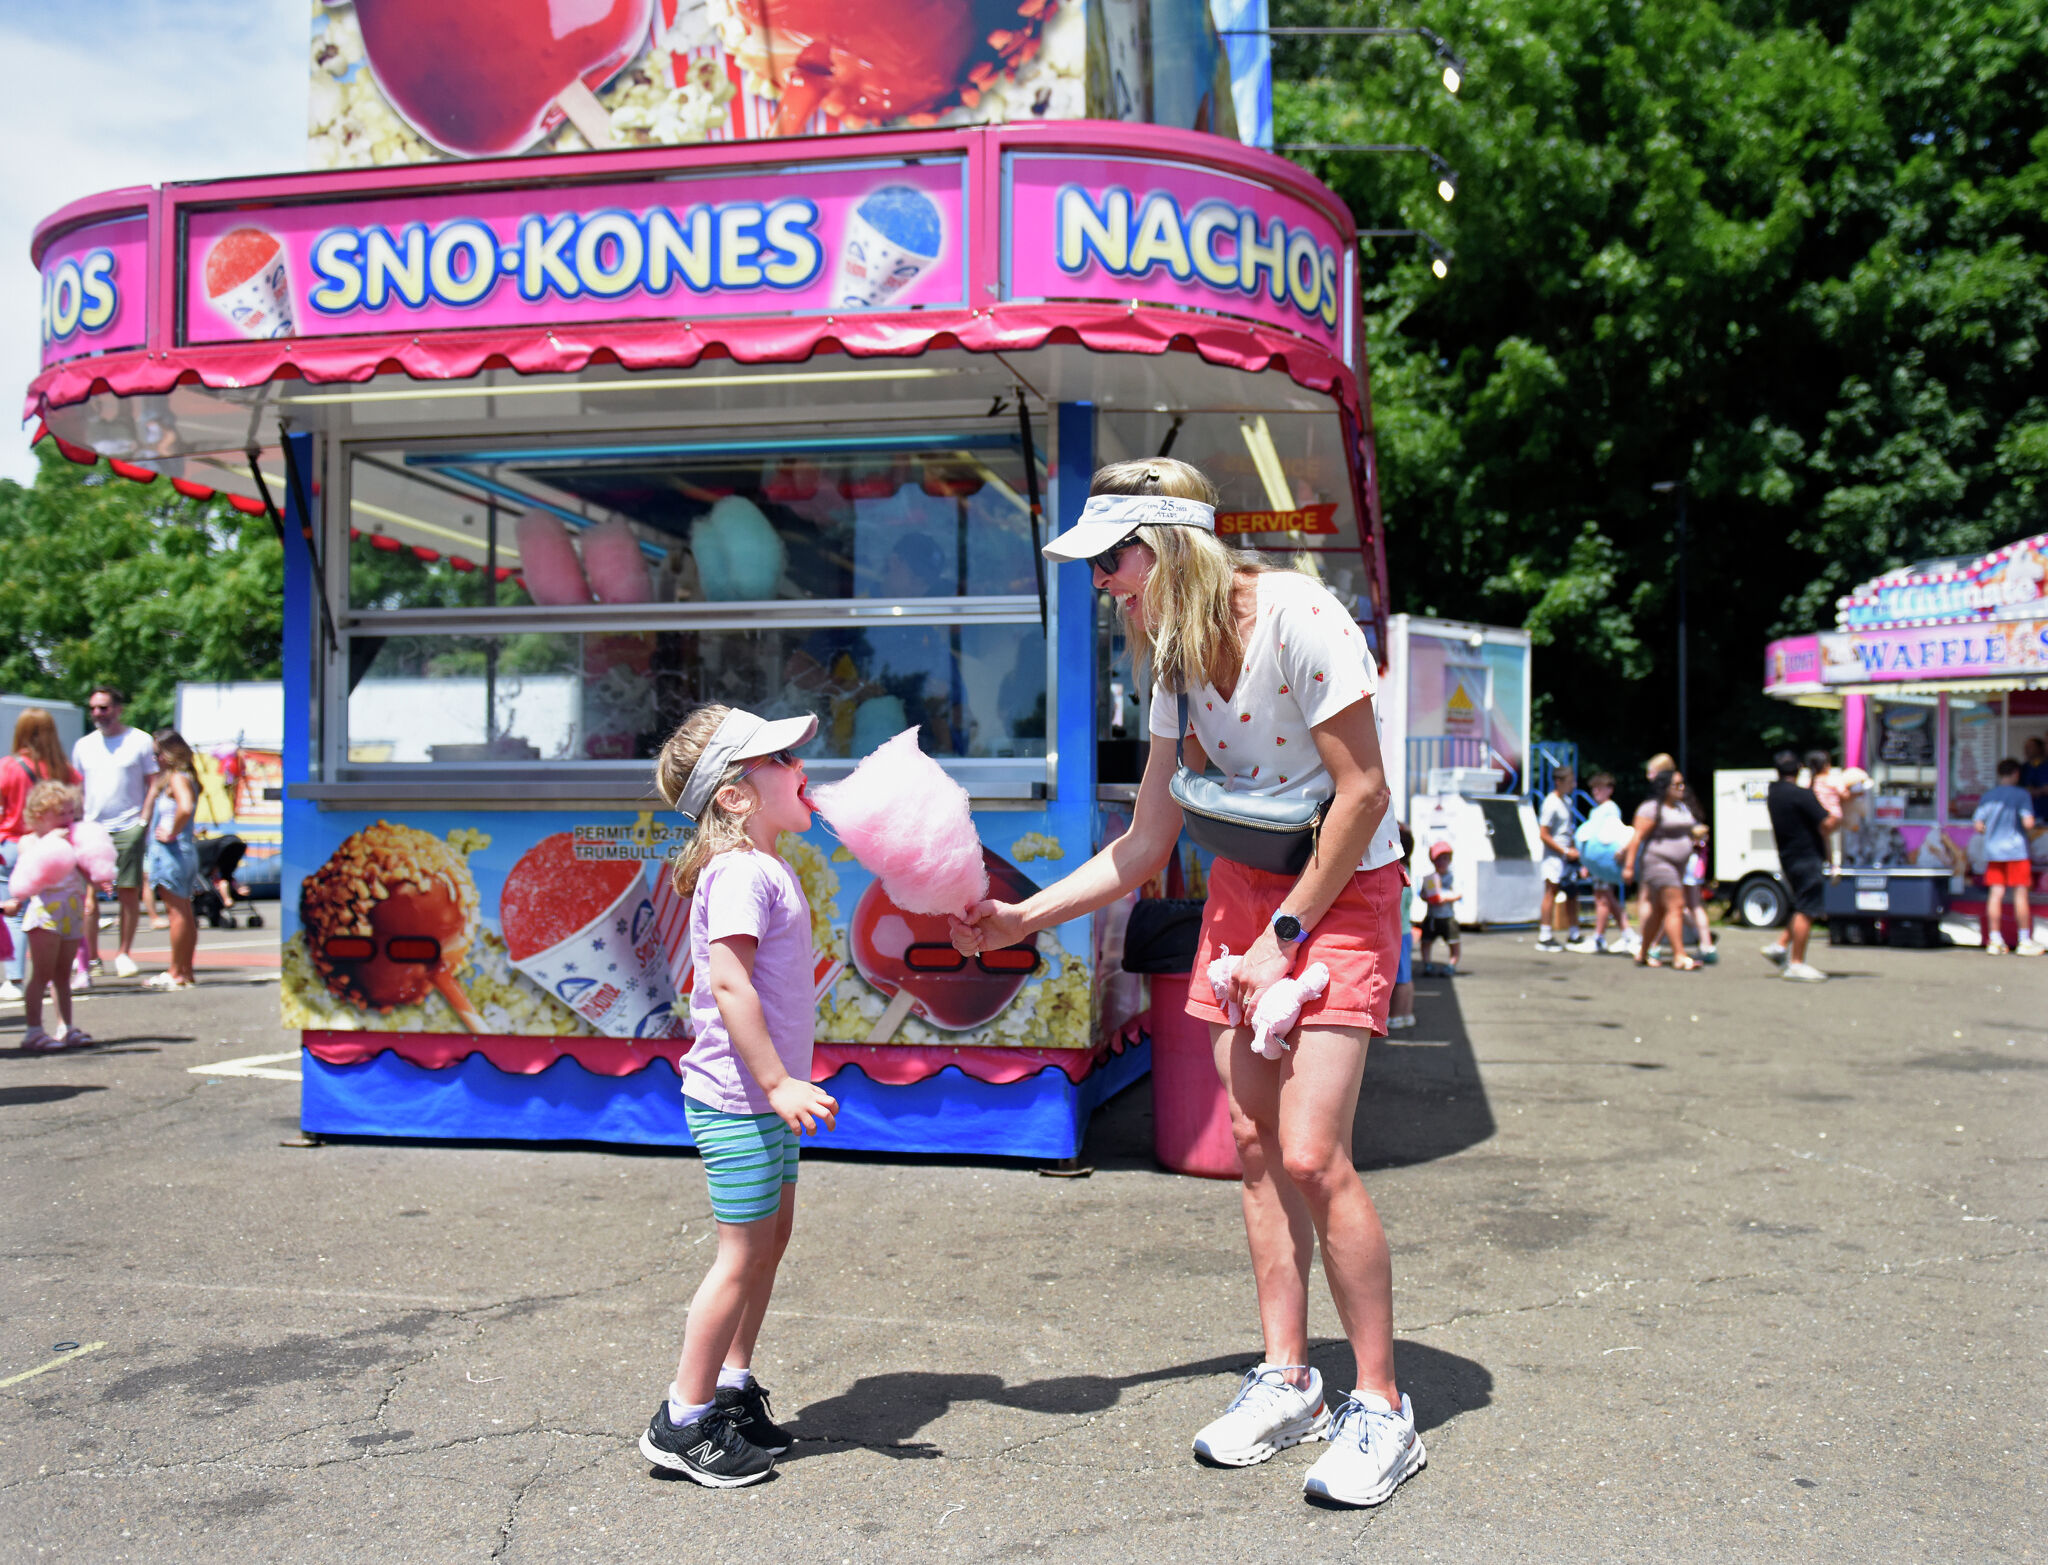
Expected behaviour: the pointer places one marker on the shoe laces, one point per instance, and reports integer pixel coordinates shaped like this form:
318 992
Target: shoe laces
1371 1420
1262 1385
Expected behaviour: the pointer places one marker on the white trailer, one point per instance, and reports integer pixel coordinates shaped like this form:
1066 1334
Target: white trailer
1746 850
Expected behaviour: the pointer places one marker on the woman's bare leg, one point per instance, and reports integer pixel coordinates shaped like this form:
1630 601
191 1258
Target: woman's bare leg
184 936
1276 1219
1319 1085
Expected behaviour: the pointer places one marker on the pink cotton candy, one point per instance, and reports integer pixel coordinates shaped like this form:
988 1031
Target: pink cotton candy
95 850
43 862
616 567
547 560
909 825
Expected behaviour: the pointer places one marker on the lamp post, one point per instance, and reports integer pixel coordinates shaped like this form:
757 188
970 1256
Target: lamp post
1454 68
1446 176
1439 257
1676 486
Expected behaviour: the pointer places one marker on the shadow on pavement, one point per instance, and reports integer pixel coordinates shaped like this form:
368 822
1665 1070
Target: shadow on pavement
886 1412
1422 1098
48 1092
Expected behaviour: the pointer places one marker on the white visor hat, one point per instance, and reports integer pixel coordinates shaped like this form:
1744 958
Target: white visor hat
1108 519
741 737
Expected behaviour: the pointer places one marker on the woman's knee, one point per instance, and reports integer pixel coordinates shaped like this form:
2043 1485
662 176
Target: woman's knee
1317 1165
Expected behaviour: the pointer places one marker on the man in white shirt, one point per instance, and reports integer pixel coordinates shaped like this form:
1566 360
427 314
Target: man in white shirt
117 762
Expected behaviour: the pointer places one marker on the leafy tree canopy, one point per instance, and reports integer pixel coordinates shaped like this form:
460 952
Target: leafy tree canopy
1790 252
107 581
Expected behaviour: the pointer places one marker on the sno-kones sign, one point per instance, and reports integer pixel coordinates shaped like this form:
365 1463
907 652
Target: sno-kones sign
2007 583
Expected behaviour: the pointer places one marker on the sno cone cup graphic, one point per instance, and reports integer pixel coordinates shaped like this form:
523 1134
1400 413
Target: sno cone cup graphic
587 931
248 282
893 238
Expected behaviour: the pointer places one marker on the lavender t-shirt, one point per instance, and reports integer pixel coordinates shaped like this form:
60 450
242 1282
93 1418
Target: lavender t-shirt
750 893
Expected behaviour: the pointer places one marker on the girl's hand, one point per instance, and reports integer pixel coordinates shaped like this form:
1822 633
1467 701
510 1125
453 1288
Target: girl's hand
801 1104
989 926
1264 965
10 907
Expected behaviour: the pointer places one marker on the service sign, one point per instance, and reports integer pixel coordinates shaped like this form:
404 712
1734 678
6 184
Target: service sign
1958 652
95 285
566 926
1172 233
815 241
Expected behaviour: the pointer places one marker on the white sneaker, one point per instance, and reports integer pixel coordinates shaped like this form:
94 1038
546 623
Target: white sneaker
1266 1415
9 989
1996 946
1588 947
1372 1449
1779 954
2024 948
125 966
1803 973
1399 1023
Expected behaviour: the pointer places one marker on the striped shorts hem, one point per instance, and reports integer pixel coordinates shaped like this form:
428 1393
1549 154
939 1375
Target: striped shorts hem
748 1158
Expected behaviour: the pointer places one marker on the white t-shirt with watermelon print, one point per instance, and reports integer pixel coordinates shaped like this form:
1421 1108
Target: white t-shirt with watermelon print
1306 662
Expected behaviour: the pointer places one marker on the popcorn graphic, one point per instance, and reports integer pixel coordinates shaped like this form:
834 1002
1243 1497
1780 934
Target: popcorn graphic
248 281
892 239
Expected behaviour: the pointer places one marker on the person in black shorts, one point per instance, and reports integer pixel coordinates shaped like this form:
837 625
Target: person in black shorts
1800 822
1440 913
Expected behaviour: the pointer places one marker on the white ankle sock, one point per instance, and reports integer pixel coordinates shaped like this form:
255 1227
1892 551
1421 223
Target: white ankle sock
681 1412
734 1378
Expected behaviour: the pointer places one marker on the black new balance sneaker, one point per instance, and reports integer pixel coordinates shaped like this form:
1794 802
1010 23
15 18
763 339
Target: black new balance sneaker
710 1449
757 1420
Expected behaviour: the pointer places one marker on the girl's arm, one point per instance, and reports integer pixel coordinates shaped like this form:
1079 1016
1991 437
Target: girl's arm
1349 744
799 1103
1131 860
188 804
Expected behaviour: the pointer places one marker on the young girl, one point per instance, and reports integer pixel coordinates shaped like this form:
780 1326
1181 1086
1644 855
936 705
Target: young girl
747 1089
54 921
171 860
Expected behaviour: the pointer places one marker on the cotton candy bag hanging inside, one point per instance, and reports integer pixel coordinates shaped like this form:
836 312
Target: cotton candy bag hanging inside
909 825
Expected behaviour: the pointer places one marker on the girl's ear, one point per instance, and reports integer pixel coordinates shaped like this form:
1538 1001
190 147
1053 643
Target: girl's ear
737 799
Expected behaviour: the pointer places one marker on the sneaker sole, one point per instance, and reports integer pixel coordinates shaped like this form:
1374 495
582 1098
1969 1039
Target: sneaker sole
1380 1492
1316 1428
677 1464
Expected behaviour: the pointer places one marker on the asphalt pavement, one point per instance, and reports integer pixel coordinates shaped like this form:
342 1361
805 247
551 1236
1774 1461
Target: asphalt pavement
1687 1267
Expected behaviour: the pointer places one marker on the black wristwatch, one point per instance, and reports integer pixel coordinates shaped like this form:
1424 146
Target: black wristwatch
1287 929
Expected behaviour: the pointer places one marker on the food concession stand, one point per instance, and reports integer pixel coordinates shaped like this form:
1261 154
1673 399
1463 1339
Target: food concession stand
562 445
1938 670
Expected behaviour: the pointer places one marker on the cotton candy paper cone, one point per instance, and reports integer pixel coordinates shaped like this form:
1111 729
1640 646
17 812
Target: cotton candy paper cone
909 825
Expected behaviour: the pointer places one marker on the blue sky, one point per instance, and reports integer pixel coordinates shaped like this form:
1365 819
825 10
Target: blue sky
96 94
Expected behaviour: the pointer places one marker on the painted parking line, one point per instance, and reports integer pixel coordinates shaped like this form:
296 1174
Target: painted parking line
265 1066
62 1358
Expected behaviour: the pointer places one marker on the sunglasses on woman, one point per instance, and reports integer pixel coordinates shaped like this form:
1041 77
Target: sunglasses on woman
1109 559
779 758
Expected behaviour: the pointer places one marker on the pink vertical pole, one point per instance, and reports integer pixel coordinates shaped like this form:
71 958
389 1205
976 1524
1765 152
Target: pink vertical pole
1852 732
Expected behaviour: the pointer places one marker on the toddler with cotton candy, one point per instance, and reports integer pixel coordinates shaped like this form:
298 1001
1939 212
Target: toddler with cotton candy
59 855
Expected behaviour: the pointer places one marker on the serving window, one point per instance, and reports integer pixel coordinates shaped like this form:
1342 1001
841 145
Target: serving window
567 606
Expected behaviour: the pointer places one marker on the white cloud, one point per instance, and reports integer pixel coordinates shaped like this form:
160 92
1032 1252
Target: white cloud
130 92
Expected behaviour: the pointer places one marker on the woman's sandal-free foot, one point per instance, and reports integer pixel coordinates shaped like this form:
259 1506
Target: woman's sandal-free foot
709 1449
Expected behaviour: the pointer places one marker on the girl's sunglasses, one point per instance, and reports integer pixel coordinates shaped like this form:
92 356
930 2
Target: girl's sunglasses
779 758
1109 559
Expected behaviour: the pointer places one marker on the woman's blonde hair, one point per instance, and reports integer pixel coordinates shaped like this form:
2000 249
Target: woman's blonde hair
719 829
35 736
1193 638
175 754
46 798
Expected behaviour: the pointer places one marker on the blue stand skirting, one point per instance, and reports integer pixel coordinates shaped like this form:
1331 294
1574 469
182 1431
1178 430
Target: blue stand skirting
1043 1116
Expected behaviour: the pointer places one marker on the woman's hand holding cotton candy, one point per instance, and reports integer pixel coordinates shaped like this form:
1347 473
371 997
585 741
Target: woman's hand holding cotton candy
910 826
988 926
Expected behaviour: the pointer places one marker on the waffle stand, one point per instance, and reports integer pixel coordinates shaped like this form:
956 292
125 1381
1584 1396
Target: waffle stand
561 445
1938 671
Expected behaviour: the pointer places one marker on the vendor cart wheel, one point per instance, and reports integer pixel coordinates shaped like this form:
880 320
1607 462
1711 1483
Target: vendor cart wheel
255 920
1762 902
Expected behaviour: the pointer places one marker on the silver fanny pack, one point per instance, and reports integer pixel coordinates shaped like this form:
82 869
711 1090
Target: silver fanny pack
1274 835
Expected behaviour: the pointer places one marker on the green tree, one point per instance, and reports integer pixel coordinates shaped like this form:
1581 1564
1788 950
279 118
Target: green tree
1787 251
104 580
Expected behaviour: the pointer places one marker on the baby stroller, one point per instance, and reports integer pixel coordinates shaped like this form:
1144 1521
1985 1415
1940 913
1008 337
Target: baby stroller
219 858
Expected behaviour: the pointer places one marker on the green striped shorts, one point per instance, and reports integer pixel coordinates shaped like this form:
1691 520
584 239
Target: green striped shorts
748 1158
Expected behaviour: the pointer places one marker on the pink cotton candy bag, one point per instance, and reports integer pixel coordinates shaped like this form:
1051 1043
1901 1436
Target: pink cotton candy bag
909 825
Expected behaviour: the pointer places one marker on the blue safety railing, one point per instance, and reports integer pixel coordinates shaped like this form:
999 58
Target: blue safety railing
1427 754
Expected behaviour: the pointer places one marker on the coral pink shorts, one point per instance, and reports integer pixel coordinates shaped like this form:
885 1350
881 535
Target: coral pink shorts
1358 940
